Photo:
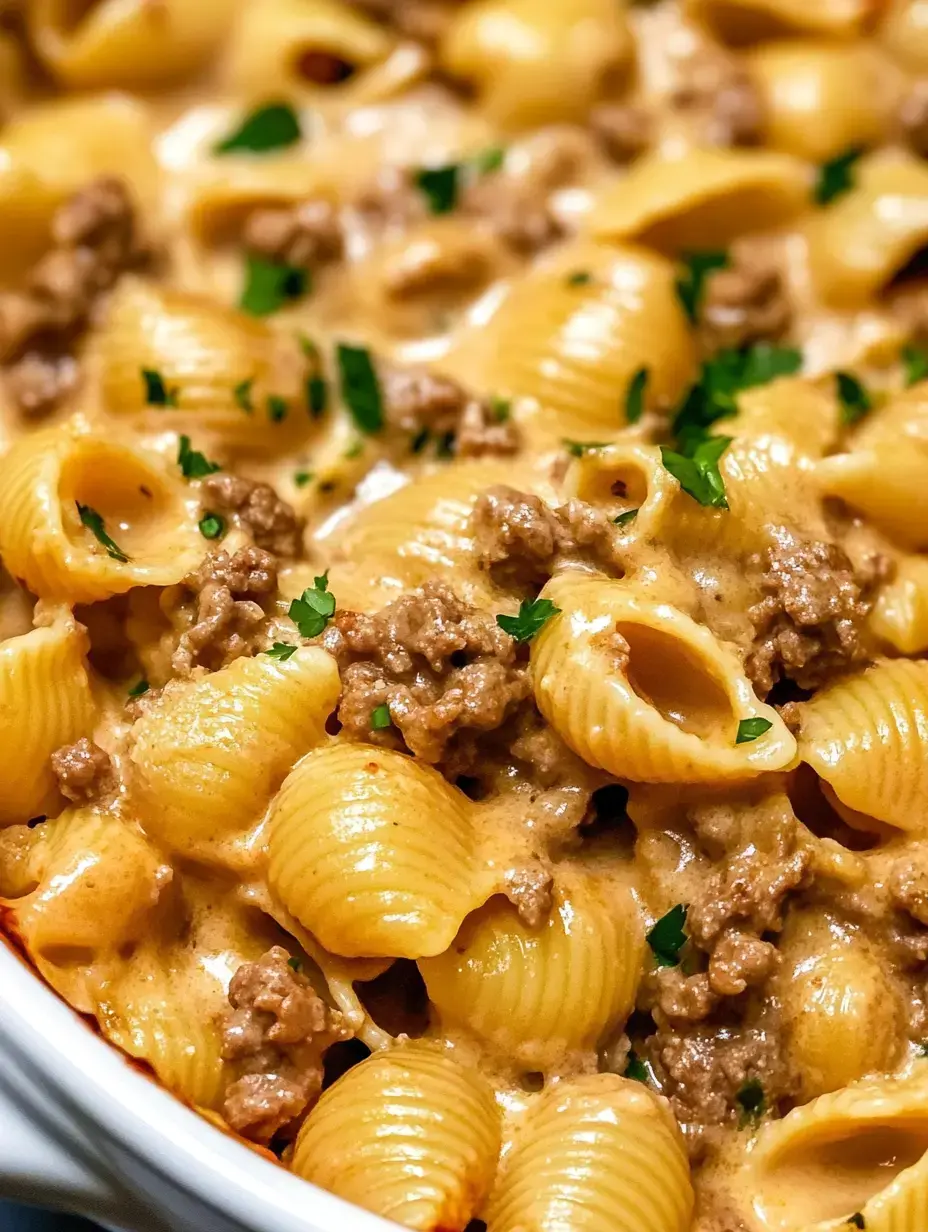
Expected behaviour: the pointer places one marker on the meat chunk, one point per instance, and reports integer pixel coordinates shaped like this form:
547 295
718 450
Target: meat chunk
83 770
686 998
740 961
720 98
810 622
37 382
271 522
306 234
908 886
422 20
744 303
521 538
517 211
275 1033
913 117
441 666
528 888
748 889
228 621
624 130
415 399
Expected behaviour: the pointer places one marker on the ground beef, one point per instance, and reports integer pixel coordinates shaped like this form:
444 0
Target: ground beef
720 97
228 621
257 509
520 538
810 622
83 770
415 399
913 117
423 20
908 886
739 961
441 666
517 211
747 302
94 238
306 234
275 1033
624 130
528 888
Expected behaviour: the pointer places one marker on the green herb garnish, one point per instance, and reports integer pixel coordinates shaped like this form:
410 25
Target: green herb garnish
140 687
271 284
419 441
488 160
193 464
915 362
302 478
750 729
698 471
624 518
836 177
380 717
667 937
281 651
156 392
533 615
295 964
212 526
360 387
271 127
577 449
276 408
751 1101
242 394
94 523
634 396
440 186
854 398
500 409
722 378
691 283
579 278
637 1069
314 608
317 395
354 450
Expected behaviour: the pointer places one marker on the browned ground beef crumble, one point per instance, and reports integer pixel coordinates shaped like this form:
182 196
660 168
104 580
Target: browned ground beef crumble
257 509
415 400
306 234
746 302
720 95
83 770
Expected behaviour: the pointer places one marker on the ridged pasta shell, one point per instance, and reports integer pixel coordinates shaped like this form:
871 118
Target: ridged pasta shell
574 348
595 1154
867 737
888 484
46 475
536 996
622 477
208 755
374 853
703 199
671 713
410 1134
900 615
751 20
45 702
859 1151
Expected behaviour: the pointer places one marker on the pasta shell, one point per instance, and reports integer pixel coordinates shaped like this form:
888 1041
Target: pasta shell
900 615
621 477
888 484
744 21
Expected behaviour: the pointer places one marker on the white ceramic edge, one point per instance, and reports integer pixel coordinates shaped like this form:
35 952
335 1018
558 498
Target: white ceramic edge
84 1130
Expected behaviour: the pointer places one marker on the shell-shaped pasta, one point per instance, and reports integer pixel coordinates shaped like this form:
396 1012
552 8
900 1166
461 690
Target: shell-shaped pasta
904 33
45 702
209 754
410 1134
537 63
11 75
867 737
842 1013
57 482
98 881
623 477
374 853
822 98
639 689
703 199
748 21
219 366
887 483
538 996
112 43
792 410
594 1154
900 615
856 1152
575 348
858 244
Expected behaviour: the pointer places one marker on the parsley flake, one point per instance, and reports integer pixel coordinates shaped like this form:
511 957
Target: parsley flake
269 285
242 394
140 687
698 472
750 729
634 396
156 392
440 186
193 464
579 278
444 446
624 518
276 408
857 1221
836 177
667 937
380 717
489 160
691 283
317 395
282 651
360 387
271 127
577 449
722 378
419 441
212 526
295 964
915 362
94 523
302 478
854 398
354 450
314 608
751 1100
533 615
500 409
637 1069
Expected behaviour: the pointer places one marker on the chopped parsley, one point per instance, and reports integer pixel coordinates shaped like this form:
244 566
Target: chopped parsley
750 1100
212 526
140 687
856 1221
698 472
579 278
624 518
302 478
440 186
94 523
637 1069
691 283
354 450
667 937
915 362
489 160
156 392
419 441
854 398
242 394
577 449
722 378
500 409
193 464
360 387
444 446
276 408
314 608
295 964
634 396
269 285
533 615
282 651
271 127
750 729
317 395
836 177
380 717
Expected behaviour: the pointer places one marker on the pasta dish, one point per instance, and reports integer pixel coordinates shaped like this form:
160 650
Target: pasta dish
464 590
